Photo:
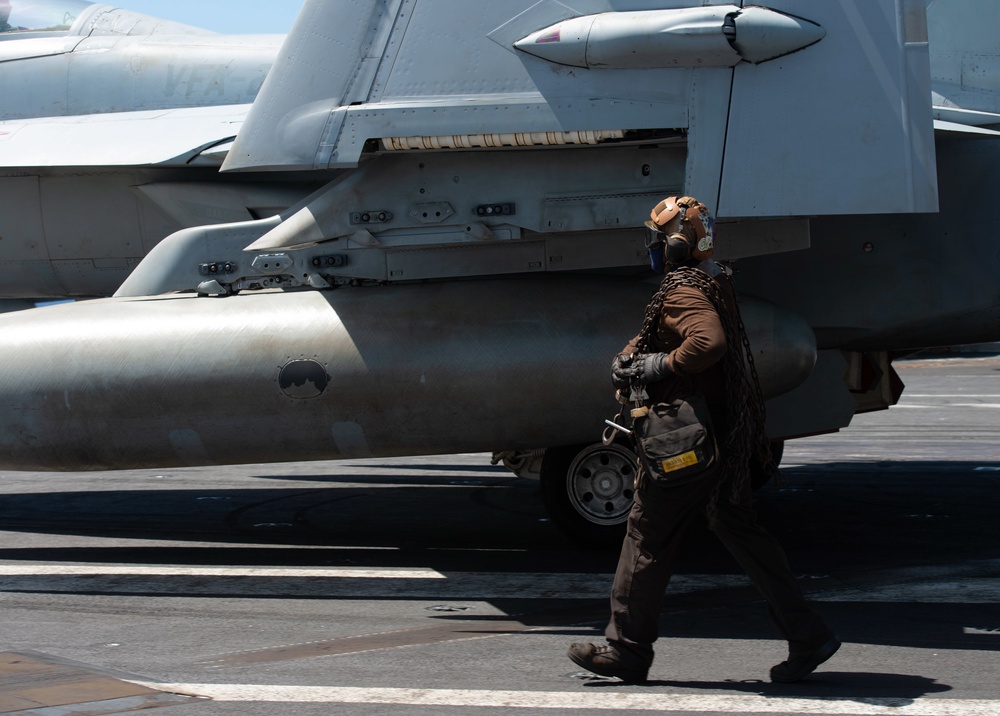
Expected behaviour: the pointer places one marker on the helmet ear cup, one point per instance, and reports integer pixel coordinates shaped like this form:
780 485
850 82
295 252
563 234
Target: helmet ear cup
678 249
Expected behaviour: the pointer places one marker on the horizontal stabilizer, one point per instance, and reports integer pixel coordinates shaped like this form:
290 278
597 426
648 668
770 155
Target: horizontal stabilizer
956 128
970 117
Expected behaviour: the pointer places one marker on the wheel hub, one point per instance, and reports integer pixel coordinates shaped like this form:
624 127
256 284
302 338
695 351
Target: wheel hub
600 482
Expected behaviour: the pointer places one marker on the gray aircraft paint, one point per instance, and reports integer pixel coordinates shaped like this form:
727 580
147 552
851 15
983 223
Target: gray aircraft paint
392 370
102 127
425 149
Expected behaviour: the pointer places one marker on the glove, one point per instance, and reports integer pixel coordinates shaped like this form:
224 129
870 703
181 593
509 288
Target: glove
642 369
619 377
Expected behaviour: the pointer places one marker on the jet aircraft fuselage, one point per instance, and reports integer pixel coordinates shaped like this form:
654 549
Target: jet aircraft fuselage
427 231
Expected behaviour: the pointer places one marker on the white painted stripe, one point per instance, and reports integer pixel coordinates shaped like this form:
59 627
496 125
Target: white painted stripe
945 405
578 701
945 395
970 590
93 570
349 583
425 583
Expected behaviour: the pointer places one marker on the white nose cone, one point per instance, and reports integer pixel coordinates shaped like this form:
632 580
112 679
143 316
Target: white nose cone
763 34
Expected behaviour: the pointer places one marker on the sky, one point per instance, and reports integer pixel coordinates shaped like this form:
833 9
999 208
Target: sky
229 16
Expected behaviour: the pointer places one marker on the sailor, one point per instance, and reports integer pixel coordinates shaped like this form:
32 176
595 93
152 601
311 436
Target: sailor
692 342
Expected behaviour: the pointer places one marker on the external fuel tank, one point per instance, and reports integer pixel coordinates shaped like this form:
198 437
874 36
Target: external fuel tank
479 365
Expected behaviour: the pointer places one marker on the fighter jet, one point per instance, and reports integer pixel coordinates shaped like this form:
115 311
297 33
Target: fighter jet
474 256
113 126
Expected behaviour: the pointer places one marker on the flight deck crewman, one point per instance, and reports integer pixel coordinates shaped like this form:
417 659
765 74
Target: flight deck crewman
692 343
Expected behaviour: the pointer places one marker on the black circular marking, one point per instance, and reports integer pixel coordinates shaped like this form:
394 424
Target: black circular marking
303 379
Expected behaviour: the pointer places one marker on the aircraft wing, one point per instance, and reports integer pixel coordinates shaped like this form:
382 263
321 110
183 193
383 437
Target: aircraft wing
172 137
838 117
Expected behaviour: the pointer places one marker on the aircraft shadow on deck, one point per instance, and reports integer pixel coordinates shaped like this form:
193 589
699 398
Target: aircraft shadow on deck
832 520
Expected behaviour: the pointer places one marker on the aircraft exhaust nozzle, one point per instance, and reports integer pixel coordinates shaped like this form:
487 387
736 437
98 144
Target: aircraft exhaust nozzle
719 36
463 366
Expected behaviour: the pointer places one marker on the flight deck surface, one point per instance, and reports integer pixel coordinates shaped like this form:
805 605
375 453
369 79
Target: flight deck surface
437 585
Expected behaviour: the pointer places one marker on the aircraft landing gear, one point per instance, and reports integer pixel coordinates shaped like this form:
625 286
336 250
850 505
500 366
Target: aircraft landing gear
588 491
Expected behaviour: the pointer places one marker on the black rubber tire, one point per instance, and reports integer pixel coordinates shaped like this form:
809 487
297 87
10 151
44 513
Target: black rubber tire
600 531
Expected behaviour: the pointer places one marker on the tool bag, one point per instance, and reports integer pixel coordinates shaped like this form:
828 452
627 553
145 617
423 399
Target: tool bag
675 440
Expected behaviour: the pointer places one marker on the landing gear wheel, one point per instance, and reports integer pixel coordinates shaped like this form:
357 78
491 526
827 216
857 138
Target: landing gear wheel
588 491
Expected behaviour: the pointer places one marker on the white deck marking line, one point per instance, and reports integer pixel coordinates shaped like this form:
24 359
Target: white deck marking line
426 583
971 590
416 583
577 701
91 570
992 406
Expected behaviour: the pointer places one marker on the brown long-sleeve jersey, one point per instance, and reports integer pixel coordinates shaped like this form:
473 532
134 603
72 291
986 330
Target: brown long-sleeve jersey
690 331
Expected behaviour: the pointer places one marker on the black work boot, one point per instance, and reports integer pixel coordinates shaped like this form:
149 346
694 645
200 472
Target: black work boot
801 665
606 660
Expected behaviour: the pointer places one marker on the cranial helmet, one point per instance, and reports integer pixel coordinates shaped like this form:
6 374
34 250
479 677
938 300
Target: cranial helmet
685 225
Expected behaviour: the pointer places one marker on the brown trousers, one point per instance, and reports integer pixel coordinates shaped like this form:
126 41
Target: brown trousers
661 514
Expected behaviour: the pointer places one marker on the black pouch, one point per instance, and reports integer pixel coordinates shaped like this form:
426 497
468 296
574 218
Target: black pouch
675 440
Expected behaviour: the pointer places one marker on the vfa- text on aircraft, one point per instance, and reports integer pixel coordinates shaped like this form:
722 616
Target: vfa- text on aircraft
471 256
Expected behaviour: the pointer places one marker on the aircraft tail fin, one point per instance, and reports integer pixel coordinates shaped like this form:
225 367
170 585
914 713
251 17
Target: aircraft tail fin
313 75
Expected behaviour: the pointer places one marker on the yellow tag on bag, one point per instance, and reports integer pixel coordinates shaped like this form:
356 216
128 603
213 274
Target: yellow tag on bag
675 442
678 461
